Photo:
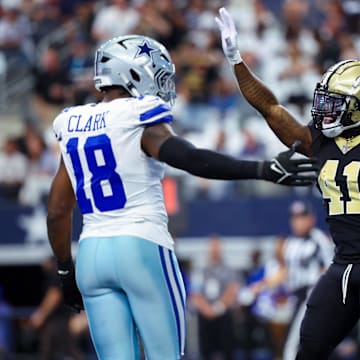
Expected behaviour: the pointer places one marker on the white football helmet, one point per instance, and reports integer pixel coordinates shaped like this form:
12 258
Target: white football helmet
140 64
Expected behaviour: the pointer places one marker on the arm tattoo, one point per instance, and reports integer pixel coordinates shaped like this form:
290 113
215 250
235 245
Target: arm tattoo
282 123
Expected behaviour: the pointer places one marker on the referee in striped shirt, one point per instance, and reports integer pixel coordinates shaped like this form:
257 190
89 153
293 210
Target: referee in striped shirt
304 255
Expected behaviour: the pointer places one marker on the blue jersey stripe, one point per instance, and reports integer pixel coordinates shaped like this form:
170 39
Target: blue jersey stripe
154 112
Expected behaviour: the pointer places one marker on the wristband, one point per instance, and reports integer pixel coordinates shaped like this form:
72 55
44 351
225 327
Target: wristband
236 58
65 267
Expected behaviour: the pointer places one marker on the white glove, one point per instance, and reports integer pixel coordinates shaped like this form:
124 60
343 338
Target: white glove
229 37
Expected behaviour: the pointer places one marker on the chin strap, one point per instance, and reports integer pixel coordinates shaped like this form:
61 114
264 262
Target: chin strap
352 130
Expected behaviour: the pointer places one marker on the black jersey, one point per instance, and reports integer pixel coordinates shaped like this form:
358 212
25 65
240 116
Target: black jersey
339 184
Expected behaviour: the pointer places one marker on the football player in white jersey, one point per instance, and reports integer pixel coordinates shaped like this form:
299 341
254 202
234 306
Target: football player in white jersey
112 163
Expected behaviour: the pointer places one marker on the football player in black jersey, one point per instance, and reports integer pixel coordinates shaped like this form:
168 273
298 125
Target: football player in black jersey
333 136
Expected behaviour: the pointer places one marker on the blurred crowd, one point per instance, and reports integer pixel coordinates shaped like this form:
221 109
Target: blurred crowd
234 311
46 64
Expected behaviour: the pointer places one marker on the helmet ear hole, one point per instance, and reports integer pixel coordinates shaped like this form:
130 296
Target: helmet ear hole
104 59
135 75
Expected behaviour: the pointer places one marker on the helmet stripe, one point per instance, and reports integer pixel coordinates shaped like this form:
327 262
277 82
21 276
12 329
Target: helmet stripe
332 70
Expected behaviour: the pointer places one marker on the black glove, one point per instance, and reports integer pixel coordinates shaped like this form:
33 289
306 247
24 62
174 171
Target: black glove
72 296
284 170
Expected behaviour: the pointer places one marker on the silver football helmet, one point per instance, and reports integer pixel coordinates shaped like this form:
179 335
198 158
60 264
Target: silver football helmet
140 64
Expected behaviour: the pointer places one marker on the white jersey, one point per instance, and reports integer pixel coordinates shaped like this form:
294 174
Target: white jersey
117 186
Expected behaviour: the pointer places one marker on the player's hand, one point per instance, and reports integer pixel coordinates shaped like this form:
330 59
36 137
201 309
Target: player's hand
229 36
287 171
72 297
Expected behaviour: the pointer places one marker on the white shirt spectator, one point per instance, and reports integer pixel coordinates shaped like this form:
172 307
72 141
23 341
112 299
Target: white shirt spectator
114 20
13 166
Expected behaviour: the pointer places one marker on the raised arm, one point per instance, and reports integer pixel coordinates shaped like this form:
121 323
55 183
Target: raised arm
283 124
161 143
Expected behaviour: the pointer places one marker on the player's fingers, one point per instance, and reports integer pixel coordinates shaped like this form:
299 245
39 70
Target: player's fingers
304 168
222 12
226 18
219 23
310 161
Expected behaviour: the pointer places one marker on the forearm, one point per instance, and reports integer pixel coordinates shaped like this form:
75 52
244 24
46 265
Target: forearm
59 234
50 302
254 90
202 305
229 296
279 119
206 163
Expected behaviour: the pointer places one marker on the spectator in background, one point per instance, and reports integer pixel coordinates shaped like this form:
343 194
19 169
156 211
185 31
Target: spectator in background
51 319
79 65
163 20
52 86
83 19
213 292
119 18
45 20
197 72
303 255
331 28
254 340
15 37
13 170
79 329
42 165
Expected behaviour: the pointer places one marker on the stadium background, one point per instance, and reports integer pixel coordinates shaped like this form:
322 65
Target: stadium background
46 54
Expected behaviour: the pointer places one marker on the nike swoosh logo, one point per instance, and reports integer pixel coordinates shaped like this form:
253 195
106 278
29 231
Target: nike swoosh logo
273 167
63 272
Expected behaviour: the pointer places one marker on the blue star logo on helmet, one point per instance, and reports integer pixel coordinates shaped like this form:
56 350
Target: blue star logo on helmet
144 49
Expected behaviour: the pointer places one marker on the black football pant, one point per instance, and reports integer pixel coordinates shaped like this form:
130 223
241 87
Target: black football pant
328 319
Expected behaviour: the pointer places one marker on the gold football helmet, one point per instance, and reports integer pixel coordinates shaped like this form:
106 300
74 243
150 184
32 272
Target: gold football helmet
336 102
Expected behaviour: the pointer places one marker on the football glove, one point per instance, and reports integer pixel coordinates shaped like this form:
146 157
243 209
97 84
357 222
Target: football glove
229 36
72 297
286 171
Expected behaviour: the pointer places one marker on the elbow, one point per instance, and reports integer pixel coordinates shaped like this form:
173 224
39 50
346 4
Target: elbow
53 218
56 215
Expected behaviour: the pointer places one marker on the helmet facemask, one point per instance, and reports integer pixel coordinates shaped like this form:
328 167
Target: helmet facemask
166 86
331 112
336 102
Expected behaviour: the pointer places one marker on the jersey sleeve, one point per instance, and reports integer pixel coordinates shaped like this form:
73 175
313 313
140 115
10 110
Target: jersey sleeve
57 128
153 110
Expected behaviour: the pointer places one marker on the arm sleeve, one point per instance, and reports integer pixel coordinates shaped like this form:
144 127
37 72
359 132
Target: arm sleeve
181 154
